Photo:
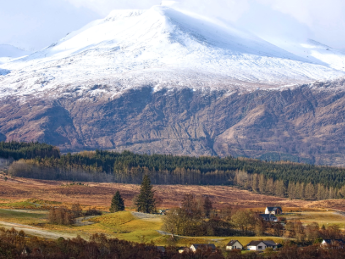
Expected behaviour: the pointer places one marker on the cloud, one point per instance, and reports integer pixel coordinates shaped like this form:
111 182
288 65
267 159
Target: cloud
36 24
325 18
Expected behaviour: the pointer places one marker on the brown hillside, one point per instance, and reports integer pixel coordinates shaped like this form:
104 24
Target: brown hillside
100 194
303 124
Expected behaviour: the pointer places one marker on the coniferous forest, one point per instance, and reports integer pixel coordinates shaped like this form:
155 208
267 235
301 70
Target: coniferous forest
284 179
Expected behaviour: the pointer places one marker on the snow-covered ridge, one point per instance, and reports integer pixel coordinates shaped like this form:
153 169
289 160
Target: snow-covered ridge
162 47
316 52
9 51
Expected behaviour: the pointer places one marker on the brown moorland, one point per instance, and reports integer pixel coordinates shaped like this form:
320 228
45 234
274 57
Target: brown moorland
100 194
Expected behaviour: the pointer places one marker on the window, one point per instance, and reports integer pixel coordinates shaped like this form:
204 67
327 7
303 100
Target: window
259 247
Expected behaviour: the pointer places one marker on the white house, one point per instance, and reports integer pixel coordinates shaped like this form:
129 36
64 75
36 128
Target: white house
194 247
234 244
273 210
261 245
268 217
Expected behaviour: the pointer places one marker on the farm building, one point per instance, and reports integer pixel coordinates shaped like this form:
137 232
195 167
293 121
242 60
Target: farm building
234 244
273 210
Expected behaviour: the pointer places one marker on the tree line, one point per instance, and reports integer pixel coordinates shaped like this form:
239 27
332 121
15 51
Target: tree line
259 183
23 150
284 179
16 244
67 216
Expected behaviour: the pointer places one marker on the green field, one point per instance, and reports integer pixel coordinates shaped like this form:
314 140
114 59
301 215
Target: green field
322 218
122 225
129 226
23 217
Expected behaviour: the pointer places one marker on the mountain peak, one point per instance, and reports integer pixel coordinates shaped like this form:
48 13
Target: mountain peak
121 14
163 47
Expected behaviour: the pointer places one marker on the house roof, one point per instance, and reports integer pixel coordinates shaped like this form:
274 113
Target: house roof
232 242
254 243
267 243
204 245
274 208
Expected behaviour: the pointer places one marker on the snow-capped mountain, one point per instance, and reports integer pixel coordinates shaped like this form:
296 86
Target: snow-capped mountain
167 81
162 47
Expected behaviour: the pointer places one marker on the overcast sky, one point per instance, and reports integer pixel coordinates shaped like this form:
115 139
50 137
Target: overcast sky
34 24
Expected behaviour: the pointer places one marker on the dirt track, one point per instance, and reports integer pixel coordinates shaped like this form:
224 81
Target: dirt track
36 231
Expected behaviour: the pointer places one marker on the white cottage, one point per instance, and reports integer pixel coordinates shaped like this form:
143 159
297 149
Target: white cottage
273 210
256 246
234 244
261 245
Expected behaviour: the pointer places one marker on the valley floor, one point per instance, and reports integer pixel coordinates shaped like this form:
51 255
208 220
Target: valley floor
100 194
24 205
137 227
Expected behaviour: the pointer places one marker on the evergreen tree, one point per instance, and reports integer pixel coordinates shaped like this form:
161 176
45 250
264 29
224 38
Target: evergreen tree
207 207
117 203
146 202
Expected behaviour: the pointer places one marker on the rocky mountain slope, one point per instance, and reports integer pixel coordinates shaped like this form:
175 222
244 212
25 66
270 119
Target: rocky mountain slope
164 81
301 124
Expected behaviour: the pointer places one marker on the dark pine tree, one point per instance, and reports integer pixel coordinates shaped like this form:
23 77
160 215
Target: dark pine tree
146 202
207 207
117 203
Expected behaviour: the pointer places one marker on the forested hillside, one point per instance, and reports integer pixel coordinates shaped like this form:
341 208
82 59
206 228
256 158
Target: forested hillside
22 150
284 179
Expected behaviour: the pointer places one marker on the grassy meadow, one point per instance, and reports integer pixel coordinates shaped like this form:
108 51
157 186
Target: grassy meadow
322 218
136 227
